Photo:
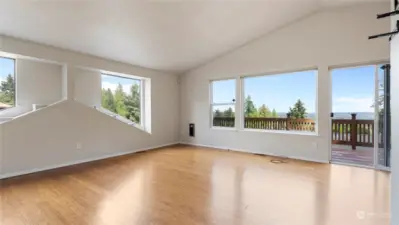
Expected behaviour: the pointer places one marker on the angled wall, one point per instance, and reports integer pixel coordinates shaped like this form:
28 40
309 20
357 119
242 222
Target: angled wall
70 131
336 37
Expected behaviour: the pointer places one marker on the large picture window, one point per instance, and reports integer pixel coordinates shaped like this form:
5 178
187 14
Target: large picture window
280 102
223 100
122 96
7 83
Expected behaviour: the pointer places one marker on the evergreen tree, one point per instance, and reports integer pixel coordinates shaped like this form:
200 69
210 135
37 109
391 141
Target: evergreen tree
249 107
132 104
298 111
107 100
228 112
119 98
274 114
264 111
7 90
217 113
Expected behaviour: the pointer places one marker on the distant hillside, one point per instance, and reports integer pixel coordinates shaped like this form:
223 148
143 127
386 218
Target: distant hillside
340 115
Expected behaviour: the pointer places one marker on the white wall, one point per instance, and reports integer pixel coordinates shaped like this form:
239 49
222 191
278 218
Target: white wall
395 126
87 86
48 137
37 82
330 38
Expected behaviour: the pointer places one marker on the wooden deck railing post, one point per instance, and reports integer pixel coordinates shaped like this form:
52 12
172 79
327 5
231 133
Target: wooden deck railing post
353 131
287 123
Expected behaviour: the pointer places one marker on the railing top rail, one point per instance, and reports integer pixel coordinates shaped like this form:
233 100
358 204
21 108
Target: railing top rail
350 121
365 121
302 120
263 118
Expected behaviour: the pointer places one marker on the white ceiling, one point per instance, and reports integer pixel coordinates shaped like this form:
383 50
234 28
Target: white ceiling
170 35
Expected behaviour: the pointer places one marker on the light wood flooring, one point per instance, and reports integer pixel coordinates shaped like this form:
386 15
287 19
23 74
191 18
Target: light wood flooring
183 185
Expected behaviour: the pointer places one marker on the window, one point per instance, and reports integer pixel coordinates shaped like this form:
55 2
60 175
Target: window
122 96
223 95
7 83
280 102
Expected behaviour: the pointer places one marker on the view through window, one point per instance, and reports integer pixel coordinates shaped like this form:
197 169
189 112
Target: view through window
223 103
354 110
7 83
122 96
281 102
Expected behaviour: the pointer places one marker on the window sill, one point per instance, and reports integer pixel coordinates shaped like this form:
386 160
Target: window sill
283 132
120 118
225 128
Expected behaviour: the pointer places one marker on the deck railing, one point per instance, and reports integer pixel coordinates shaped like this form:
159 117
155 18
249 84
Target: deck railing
268 123
351 132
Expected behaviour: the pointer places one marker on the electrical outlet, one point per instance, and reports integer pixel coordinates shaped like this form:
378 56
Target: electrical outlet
314 145
79 145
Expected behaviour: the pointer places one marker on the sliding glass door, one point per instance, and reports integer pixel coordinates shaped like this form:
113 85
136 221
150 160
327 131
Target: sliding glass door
361 116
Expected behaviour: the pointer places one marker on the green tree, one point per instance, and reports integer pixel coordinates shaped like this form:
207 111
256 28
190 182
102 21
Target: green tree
249 107
107 100
7 90
217 113
228 112
132 104
298 111
274 114
119 98
264 111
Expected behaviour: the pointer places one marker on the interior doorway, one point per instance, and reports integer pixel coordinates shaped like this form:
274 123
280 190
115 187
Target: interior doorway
360 117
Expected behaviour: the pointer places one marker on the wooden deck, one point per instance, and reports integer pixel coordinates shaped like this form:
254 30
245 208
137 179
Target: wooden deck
362 156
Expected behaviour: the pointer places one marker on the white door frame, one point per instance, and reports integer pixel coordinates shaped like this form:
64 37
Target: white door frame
376 119
376 122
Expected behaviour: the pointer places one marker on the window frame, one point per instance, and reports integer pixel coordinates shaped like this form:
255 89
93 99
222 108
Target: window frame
212 104
15 81
277 73
141 81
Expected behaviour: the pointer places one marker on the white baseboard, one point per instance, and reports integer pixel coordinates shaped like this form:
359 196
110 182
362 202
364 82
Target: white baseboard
248 151
24 172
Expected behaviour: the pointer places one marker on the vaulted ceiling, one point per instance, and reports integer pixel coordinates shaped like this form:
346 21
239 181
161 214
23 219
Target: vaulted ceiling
162 34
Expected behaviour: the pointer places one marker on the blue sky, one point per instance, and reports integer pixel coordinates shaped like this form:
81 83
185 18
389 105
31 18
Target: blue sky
353 90
112 82
6 67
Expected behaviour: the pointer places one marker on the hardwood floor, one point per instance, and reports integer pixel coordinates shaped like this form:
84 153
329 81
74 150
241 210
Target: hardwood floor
185 185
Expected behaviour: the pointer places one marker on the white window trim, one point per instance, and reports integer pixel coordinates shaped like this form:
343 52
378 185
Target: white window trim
212 104
142 89
15 77
242 102
142 102
239 104
283 132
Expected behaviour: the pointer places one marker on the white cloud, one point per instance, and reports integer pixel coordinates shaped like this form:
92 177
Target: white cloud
351 104
112 86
